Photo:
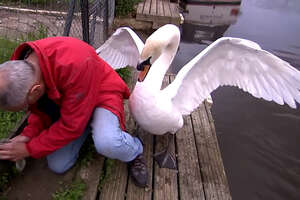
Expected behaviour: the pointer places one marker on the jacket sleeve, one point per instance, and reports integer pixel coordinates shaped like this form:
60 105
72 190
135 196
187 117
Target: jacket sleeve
36 123
75 112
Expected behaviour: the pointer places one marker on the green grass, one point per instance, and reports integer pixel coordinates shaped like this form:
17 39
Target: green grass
8 120
74 191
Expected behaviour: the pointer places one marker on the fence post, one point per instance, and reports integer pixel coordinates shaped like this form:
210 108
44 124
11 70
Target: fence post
105 20
84 5
69 18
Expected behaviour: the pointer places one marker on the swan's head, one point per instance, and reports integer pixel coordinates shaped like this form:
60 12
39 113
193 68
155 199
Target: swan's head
164 40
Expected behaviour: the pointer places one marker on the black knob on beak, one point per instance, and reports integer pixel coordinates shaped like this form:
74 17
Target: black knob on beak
141 66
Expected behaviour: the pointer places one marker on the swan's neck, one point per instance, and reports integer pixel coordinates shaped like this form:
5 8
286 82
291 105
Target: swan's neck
159 68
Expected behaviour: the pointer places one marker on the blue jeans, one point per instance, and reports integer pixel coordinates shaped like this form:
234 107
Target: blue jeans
109 140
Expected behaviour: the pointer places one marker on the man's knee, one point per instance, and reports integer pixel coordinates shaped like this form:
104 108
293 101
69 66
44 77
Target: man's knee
60 167
107 144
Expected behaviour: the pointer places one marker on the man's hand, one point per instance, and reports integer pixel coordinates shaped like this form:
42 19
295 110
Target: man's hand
13 151
20 138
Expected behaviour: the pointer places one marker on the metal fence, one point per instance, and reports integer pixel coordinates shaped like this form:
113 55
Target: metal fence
22 20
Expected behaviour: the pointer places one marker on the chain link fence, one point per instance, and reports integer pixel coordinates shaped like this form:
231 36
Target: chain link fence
23 20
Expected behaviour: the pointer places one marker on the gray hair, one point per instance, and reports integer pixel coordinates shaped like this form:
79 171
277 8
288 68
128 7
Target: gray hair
18 77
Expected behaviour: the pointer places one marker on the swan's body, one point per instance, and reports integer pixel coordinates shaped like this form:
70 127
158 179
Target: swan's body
227 61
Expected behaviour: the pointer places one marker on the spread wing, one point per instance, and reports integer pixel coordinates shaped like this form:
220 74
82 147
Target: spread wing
122 48
234 62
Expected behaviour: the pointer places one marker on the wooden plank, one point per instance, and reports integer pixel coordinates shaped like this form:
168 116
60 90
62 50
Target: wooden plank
91 176
191 185
134 192
167 10
140 8
225 192
214 178
115 184
153 10
160 8
165 180
147 6
175 13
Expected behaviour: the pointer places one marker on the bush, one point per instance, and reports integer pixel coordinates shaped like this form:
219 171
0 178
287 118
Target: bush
125 7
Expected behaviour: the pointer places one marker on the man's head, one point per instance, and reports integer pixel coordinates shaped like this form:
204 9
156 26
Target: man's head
19 85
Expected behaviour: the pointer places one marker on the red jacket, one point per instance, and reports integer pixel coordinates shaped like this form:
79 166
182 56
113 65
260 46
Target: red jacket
77 81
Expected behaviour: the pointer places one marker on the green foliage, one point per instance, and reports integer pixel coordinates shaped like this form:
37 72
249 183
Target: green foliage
74 191
7 46
4 180
125 7
6 177
124 73
6 49
8 121
40 32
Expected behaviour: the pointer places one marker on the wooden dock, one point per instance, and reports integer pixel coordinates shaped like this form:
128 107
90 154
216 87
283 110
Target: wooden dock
200 174
160 12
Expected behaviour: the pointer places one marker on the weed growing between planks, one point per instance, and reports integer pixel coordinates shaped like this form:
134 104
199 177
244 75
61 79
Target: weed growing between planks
109 165
75 191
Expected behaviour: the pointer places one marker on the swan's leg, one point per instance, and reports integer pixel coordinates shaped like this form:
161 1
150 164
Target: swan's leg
164 158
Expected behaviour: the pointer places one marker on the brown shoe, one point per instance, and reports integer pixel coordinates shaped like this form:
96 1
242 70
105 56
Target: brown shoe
138 171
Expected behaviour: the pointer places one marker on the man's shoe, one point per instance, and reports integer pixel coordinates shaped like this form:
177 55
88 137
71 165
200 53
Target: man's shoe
138 171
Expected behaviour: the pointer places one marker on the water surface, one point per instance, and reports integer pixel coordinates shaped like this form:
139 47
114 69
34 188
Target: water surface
259 140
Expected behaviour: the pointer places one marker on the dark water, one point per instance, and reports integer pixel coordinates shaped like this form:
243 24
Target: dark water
259 140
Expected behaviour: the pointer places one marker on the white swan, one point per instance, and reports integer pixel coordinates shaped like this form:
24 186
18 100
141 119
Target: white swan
227 61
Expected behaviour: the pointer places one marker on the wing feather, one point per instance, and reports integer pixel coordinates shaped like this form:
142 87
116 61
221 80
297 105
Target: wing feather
122 48
234 62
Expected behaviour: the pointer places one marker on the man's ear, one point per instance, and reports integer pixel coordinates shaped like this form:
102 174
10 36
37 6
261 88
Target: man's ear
35 93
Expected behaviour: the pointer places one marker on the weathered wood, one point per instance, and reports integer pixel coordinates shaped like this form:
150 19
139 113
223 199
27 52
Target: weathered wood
191 185
167 11
147 6
159 12
91 175
160 8
140 8
165 180
153 10
175 13
212 169
114 185
134 192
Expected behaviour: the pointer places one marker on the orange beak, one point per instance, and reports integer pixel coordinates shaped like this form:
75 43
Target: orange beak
143 74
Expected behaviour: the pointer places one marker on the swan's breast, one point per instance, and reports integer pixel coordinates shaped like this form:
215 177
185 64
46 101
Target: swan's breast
153 112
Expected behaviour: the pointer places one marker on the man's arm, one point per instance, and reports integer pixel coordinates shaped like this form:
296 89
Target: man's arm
36 124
